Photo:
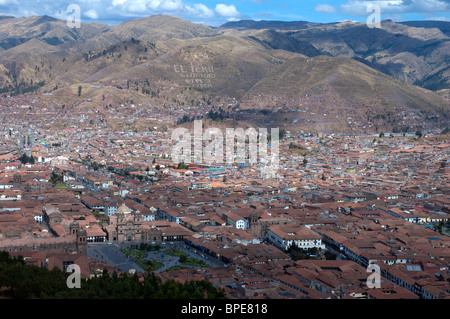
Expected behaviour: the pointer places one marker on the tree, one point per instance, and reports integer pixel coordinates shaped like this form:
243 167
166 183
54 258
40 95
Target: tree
381 134
419 134
24 159
23 281
55 178
182 165
79 90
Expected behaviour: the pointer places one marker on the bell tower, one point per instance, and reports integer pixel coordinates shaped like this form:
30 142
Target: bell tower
74 227
81 242
17 179
253 219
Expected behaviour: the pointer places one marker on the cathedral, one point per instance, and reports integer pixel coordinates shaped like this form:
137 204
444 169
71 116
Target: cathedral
129 226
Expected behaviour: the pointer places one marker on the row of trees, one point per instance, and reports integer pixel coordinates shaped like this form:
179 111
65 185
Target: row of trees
218 115
21 281
25 159
22 87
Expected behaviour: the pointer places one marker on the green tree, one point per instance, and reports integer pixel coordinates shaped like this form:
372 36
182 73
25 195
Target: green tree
183 258
19 280
55 178
80 88
25 159
182 165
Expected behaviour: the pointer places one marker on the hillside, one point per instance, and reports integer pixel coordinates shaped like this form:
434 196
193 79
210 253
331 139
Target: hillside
332 73
426 44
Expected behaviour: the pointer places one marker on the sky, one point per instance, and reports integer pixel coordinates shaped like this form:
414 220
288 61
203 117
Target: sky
217 12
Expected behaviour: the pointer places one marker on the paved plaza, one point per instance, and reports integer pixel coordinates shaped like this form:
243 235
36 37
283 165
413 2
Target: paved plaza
111 253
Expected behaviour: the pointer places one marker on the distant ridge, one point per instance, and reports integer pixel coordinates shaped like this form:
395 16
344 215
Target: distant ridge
262 24
444 26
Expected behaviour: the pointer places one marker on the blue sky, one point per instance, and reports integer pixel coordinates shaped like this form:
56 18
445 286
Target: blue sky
217 12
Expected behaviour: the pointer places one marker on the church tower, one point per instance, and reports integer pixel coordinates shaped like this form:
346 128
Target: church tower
74 227
253 219
17 179
254 224
81 238
81 242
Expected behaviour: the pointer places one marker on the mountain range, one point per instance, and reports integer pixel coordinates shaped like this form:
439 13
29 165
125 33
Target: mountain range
340 77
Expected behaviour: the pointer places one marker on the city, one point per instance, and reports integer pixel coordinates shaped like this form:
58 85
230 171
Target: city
343 201
125 171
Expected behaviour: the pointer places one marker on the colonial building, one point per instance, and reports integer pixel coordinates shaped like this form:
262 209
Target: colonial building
258 224
284 236
125 225
129 226
73 243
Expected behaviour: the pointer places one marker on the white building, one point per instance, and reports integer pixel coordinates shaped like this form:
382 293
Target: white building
110 210
284 236
236 221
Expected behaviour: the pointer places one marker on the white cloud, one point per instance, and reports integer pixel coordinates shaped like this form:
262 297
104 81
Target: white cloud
324 8
200 10
170 5
91 14
8 2
118 2
115 11
227 11
445 19
359 7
